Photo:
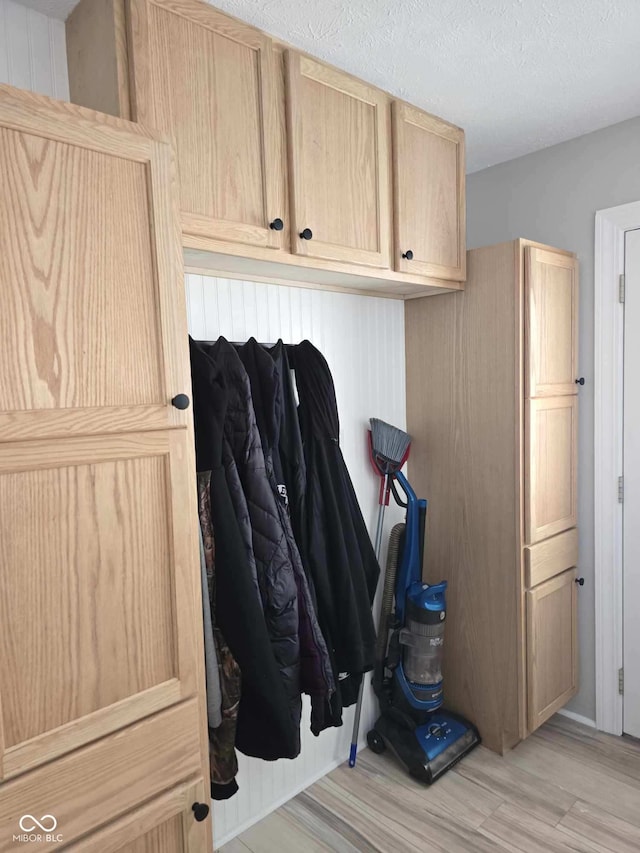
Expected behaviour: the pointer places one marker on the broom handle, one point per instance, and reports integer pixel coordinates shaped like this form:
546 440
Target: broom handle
378 548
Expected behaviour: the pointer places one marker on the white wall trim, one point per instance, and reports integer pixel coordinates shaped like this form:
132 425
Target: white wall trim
610 226
311 780
577 718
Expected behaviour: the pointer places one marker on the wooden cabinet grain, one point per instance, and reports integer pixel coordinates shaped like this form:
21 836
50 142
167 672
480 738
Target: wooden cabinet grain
551 317
551 448
338 144
164 825
499 471
267 154
211 83
552 646
429 194
97 476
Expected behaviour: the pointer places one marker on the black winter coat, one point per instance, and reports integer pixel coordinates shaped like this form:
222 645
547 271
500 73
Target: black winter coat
316 674
276 577
266 727
335 542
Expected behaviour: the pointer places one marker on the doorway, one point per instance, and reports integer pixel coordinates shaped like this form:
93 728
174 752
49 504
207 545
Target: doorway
631 486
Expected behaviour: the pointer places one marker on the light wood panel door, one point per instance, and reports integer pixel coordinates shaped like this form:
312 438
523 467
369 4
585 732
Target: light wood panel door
551 493
338 164
552 646
429 194
551 281
90 788
164 825
210 82
100 612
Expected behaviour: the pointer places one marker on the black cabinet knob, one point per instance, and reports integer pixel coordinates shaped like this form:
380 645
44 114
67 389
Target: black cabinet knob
580 381
579 581
408 255
307 234
181 401
276 225
200 811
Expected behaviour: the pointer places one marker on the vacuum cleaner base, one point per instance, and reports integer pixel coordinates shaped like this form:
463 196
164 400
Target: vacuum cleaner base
428 750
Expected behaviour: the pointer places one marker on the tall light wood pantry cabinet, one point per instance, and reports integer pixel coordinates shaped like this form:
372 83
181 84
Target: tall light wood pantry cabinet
102 718
492 405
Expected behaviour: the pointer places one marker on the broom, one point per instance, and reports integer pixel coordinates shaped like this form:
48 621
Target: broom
389 450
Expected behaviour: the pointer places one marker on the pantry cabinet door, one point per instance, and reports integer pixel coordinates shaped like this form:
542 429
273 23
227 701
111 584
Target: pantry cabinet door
552 647
100 609
338 164
551 492
429 194
164 825
551 282
210 82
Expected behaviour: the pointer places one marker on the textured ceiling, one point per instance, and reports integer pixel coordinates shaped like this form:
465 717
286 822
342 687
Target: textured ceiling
517 75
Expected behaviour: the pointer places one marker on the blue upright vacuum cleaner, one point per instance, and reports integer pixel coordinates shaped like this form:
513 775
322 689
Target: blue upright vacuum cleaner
426 739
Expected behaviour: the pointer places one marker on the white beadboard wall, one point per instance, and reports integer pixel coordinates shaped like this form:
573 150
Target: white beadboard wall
362 338
33 52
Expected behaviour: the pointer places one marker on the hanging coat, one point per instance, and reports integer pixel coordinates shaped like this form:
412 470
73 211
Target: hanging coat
214 692
276 576
265 728
288 458
335 540
223 763
316 674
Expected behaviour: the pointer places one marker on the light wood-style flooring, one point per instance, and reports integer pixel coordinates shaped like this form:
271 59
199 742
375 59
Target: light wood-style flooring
566 788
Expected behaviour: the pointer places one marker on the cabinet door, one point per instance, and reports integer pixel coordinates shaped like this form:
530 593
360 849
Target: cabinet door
164 825
209 81
551 281
429 194
552 647
100 613
339 164
550 469
101 783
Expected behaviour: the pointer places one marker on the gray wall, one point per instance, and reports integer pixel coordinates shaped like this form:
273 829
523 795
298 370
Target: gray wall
552 196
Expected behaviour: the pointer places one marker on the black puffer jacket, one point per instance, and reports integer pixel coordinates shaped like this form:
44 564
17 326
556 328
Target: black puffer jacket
316 674
276 577
264 725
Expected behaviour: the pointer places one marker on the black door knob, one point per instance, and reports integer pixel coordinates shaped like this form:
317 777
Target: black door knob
408 255
307 234
200 811
181 401
580 381
276 225
579 581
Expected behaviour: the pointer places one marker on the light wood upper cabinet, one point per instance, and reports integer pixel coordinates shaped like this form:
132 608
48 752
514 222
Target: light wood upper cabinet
305 148
551 305
338 138
210 82
551 493
100 608
429 194
552 647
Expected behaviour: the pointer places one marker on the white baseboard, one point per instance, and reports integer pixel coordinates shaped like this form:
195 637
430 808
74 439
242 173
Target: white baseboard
220 842
577 718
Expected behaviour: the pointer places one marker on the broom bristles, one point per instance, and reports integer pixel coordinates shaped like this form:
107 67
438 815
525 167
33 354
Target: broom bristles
388 441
